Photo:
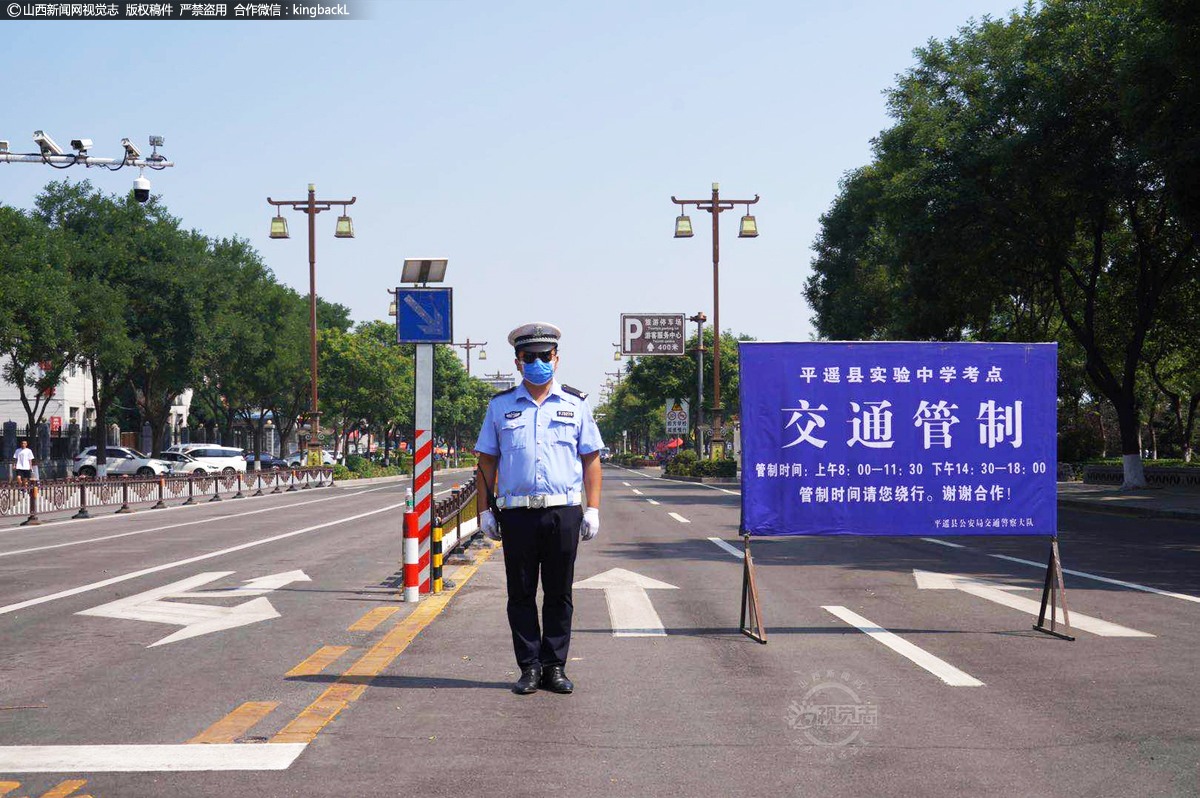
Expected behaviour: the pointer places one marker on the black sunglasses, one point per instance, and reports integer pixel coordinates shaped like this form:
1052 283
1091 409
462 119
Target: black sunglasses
529 357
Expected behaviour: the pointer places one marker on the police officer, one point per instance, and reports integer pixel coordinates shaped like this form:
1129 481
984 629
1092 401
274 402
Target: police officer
543 438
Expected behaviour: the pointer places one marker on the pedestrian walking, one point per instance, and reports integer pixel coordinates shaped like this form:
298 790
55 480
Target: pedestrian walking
23 467
540 449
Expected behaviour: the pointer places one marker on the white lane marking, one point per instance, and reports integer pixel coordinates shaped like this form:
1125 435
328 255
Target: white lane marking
679 518
740 555
185 523
1121 582
944 543
626 484
999 594
935 665
635 490
1083 574
146 758
652 502
155 569
630 612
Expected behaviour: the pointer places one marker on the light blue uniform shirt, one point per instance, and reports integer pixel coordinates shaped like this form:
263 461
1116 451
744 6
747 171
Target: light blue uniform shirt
539 446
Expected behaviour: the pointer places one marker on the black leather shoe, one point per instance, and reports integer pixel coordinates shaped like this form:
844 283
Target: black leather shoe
528 683
554 678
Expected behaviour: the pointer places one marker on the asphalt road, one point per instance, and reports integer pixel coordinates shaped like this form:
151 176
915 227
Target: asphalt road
419 702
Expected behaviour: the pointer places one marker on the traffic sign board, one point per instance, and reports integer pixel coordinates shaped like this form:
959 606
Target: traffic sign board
424 315
677 416
652 333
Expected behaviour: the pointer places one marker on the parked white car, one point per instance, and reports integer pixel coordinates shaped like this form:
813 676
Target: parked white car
227 459
300 458
185 464
122 461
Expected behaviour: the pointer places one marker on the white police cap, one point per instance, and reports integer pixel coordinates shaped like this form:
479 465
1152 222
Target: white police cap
539 336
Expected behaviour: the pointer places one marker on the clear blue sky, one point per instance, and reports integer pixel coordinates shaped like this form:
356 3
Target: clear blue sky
537 145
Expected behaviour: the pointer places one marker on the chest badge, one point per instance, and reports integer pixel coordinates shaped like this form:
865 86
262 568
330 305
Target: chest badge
513 414
566 414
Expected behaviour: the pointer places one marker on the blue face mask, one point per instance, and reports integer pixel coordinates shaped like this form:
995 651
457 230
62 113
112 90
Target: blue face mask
538 372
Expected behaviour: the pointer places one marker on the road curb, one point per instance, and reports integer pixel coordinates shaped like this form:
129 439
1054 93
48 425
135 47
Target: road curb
706 480
350 483
1126 510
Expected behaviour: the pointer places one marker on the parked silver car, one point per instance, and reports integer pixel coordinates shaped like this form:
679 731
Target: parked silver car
183 464
121 461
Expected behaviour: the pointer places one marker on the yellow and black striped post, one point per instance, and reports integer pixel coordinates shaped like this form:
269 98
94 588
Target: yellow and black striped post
435 561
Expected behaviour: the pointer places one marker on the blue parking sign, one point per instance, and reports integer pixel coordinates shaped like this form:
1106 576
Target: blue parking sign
424 315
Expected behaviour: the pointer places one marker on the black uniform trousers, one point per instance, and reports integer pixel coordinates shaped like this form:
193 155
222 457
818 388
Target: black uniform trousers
545 540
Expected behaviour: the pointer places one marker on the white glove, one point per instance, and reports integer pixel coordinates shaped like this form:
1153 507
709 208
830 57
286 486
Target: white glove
591 523
487 522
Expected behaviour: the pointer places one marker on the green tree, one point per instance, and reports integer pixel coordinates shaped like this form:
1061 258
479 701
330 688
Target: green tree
1024 190
37 337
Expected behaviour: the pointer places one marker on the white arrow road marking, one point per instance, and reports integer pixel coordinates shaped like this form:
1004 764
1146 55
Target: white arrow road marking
679 518
935 665
630 612
253 587
999 594
146 758
198 619
155 569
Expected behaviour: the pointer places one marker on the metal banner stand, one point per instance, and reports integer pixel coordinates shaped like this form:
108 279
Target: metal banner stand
1054 592
750 599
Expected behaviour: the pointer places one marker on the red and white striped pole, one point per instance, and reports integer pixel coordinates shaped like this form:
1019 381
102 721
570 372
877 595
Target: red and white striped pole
412 559
423 458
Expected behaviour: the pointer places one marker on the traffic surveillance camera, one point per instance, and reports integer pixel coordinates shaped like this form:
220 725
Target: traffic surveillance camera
132 153
141 189
46 144
83 145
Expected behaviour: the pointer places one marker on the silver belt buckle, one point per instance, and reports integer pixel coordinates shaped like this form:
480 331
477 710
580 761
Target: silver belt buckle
537 502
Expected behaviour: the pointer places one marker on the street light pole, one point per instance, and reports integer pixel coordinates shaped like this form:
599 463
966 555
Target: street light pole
311 207
468 346
749 229
699 319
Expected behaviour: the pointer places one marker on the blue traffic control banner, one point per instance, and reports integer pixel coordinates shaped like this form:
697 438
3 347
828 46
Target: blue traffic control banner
899 439
424 315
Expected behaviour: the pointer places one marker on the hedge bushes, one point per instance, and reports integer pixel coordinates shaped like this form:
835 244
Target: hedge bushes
686 464
634 461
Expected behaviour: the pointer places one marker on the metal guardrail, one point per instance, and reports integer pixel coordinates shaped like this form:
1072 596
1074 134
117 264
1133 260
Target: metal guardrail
85 495
448 518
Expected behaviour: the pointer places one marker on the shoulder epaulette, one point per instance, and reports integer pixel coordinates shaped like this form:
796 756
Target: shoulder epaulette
574 392
506 390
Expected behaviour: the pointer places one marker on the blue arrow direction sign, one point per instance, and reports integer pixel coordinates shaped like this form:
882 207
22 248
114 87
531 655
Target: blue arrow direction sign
424 315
